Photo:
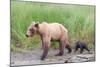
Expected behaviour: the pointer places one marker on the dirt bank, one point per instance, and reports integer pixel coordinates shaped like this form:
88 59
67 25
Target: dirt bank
33 57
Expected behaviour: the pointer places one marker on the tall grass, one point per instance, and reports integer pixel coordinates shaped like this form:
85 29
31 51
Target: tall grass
79 20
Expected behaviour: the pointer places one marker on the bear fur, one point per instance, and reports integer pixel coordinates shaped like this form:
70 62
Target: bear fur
50 32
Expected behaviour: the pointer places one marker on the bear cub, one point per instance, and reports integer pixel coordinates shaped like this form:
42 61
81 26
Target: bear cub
81 45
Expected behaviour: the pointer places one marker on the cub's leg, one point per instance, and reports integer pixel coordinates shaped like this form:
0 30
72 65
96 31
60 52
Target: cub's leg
76 48
86 48
81 50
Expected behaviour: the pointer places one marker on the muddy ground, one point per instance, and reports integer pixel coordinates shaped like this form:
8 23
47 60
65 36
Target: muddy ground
32 57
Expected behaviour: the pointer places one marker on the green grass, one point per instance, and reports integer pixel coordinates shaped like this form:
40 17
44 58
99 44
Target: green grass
78 19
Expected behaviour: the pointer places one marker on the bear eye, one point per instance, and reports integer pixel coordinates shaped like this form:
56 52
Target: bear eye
30 29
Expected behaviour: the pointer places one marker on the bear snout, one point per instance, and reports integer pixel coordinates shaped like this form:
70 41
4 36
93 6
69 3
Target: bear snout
26 35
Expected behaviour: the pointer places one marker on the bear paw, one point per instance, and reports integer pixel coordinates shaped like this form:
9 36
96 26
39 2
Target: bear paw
59 54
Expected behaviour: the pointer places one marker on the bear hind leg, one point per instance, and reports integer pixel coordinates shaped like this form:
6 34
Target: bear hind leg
68 47
61 49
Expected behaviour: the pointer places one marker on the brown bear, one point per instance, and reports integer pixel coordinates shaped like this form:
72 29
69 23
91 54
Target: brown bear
49 32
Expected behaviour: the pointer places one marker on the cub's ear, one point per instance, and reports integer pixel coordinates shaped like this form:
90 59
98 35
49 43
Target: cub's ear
37 25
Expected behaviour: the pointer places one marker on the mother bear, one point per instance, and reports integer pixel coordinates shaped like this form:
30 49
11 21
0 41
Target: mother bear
49 32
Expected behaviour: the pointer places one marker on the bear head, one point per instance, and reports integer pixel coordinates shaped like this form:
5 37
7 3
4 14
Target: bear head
32 29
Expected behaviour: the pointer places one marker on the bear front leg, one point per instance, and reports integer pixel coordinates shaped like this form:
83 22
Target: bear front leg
86 48
45 44
45 52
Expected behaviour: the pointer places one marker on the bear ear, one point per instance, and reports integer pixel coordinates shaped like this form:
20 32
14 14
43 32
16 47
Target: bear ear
37 25
33 22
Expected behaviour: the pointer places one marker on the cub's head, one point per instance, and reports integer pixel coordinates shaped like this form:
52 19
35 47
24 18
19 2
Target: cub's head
32 29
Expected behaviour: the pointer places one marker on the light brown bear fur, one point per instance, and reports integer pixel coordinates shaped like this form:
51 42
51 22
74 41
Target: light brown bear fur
49 32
